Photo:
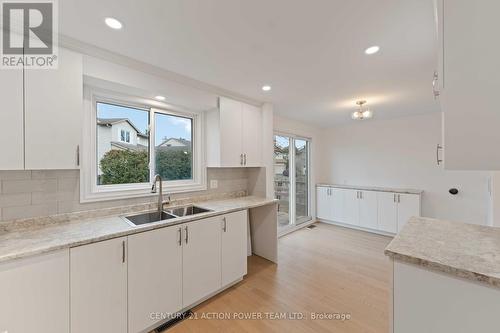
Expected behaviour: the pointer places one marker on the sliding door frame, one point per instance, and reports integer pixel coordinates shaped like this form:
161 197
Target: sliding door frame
292 211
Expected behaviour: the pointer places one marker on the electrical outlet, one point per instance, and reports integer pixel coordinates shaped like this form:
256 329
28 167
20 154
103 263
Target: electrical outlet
214 183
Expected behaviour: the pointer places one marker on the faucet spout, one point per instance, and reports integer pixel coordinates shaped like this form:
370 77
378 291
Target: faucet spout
158 179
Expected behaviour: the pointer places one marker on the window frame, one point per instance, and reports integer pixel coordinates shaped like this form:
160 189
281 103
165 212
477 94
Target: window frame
90 191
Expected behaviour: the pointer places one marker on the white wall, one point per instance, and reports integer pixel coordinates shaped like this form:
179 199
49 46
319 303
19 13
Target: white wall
289 126
402 153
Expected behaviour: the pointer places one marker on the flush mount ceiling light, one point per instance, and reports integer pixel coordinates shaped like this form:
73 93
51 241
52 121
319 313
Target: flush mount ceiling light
372 49
160 98
266 88
113 23
362 112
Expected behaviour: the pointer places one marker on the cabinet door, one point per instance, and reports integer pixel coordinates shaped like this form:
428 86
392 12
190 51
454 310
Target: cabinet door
99 287
201 259
53 110
351 207
154 276
35 294
368 209
231 148
252 135
234 246
11 120
408 206
387 212
323 204
337 199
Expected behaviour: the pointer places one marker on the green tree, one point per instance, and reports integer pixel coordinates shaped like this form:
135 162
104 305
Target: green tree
122 167
174 164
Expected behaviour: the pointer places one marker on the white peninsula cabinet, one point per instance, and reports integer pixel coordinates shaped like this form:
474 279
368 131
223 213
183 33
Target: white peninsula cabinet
40 120
234 246
34 294
234 135
374 210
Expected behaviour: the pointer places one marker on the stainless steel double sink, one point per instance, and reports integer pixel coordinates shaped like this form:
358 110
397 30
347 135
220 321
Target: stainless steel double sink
167 214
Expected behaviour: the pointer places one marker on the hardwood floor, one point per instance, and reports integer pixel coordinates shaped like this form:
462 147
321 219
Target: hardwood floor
327 269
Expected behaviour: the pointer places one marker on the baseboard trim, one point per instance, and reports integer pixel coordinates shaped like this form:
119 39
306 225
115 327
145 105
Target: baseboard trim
355 227
297 227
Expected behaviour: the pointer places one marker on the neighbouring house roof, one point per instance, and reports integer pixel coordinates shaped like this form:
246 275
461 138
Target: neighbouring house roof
183 142
127 146
112 121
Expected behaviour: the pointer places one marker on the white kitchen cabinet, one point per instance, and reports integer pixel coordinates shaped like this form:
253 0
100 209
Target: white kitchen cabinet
154 276
324 203
351 207
387 212
337 202
234 246
234 135
11 120
201 258
99 287
34 294
53 114
368 209
469 77
408 206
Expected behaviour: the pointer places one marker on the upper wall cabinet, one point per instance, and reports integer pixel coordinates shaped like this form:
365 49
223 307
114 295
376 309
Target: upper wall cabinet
467 82
234 135
11 120
53 111
40 118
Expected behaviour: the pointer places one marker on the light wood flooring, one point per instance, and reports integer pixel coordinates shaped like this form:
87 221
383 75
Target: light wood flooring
327 269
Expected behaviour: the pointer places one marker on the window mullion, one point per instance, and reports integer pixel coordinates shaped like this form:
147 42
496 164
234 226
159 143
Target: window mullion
152 144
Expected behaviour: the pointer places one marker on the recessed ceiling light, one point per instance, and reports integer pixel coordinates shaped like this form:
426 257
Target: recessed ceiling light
113 23
372 49
266 88
160 98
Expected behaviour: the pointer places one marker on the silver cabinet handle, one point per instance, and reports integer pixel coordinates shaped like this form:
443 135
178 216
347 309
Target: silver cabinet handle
78 155
123 251
394 198
187 234
180 237
399 198
245 159
224 224
435 90
438 148
361 194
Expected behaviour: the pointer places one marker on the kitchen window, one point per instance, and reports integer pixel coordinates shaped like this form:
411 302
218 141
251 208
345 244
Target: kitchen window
131 141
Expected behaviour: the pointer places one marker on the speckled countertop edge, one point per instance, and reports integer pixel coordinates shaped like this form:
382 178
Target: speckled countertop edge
463 250
48 235
372 188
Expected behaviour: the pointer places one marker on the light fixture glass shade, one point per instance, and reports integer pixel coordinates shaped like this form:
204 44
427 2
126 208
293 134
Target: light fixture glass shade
356 115
367 114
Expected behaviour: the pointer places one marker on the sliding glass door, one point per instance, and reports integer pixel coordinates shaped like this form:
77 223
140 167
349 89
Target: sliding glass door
292 180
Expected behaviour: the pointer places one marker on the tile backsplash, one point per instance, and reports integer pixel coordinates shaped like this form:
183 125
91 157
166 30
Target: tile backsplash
26 194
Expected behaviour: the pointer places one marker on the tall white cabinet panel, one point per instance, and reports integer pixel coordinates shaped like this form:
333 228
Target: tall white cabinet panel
154 276
337 203
11 120
34 294
231 128
324 205
408 206
234 246
351 207
252 135
99 287
387 212
53 114
368 209
201 257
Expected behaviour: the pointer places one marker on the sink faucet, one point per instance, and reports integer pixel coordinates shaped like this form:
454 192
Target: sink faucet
160 195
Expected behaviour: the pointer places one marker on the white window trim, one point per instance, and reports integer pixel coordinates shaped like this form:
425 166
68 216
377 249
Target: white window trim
91 192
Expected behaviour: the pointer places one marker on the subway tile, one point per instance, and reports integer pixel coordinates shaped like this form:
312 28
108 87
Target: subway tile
50 174
44 197
16 199
21 212
24 186
76 206
15 175
68 184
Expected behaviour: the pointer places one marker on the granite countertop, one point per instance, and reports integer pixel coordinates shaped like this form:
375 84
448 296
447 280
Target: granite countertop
373 188
464 250
39 237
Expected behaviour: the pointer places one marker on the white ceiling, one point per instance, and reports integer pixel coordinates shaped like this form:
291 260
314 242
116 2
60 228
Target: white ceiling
309 51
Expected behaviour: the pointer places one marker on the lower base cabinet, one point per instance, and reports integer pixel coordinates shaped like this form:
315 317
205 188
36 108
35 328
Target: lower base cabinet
234 246
34 294
154 277
99 287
